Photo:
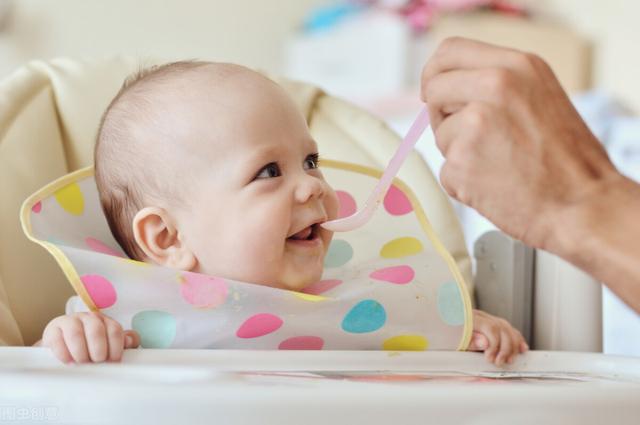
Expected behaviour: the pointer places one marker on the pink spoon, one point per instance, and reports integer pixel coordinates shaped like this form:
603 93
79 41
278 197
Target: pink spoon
360 218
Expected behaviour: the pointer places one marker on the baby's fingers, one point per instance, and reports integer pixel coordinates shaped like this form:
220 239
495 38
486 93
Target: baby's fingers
479 342
74 339
115 338
494 344
131 339
506 348
54 339
96 336
519 345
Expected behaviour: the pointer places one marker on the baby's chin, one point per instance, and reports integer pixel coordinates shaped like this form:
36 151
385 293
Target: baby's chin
297 281
292 276
298 276
290 280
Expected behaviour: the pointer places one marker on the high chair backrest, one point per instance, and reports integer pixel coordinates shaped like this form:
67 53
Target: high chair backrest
49 114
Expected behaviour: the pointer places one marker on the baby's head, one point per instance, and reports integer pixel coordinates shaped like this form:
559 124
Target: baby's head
210 167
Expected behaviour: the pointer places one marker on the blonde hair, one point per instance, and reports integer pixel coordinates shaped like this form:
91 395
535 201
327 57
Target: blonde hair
118 154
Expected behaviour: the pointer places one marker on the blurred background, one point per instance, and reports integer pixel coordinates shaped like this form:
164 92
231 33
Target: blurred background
370 52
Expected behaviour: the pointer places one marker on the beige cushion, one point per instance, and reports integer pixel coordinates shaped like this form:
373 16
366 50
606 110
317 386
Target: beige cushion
49 113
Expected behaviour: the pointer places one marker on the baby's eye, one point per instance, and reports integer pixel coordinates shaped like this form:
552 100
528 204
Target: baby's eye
311 162
269 171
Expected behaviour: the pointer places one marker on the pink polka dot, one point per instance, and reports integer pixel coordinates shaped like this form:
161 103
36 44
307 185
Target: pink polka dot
97 246
203 291
37 207
347 204
396 202
100 290
302 343
395 274
321 287
259 325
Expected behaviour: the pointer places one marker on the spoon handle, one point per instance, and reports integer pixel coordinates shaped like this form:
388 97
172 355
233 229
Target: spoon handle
413 135
361 217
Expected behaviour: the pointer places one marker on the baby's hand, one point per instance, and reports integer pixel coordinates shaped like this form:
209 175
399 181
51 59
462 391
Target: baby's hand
87 337
500 341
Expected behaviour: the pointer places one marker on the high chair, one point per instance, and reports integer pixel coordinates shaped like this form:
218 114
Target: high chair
49 114
49 118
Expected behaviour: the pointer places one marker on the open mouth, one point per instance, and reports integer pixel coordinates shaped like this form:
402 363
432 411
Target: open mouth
309 233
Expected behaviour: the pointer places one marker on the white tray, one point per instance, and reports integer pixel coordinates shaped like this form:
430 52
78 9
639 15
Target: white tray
319 387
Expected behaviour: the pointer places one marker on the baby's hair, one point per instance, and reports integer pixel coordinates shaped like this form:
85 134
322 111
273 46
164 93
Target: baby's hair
118 155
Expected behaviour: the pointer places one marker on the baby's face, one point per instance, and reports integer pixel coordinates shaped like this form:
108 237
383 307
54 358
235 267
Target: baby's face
257 196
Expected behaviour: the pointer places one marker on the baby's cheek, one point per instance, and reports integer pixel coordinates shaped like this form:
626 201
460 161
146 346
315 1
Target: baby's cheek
332 204
262 254
327 237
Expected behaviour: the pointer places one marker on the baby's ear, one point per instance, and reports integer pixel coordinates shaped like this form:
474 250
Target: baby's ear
158 237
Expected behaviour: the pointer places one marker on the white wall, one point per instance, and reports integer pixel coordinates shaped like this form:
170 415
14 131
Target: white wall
245 31
252 32
614 28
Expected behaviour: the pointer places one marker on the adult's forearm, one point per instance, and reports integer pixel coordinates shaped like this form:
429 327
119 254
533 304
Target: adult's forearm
601 235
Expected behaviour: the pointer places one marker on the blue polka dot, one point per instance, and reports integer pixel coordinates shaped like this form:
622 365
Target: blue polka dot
157 329
366 316
450 305
339 254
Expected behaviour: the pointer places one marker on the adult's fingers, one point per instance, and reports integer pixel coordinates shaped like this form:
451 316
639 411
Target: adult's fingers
470 120
96 336
461 53
451 91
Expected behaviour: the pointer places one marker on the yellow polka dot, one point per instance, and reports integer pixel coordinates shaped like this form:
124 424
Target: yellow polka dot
308 297
406 343
401 247
136 262
70 198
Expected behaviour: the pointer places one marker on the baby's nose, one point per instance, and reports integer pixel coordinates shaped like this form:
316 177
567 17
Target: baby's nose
309 187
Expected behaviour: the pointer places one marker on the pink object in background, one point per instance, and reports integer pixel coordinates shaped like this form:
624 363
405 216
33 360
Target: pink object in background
421 13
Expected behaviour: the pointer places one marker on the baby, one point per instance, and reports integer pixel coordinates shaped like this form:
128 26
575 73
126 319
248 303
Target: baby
190 153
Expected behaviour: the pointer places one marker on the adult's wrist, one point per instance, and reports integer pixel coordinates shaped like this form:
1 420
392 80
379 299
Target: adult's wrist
601 228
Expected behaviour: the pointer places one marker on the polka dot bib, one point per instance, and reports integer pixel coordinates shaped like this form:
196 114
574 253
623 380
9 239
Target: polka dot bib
389 285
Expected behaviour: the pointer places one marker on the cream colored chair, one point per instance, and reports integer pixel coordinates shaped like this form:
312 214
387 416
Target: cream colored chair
49 114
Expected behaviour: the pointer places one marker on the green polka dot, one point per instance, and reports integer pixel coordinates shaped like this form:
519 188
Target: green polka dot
157 329
339 254
450 305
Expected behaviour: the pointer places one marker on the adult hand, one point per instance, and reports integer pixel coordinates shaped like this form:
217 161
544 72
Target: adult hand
516 149
518 152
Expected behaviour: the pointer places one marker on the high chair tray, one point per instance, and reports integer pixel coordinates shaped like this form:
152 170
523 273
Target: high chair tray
320 387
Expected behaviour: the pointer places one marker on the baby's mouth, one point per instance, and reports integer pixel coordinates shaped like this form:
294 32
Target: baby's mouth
309 233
